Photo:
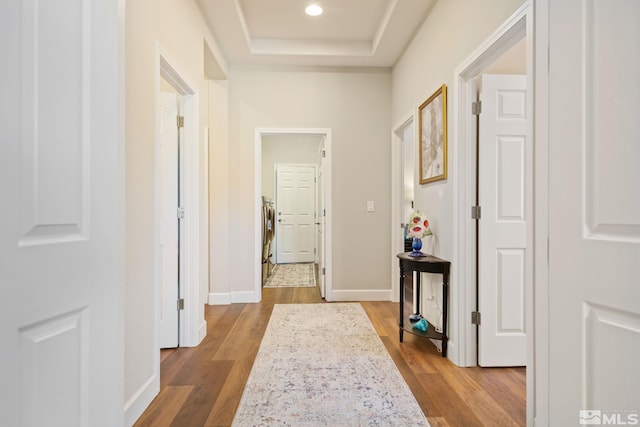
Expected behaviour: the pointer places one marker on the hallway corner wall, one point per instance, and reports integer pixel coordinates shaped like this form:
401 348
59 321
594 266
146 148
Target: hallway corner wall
179 29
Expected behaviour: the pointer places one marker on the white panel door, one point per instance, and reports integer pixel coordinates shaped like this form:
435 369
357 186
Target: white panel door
295 213
168 219
505 195
321 221
408 172
594 211
62 216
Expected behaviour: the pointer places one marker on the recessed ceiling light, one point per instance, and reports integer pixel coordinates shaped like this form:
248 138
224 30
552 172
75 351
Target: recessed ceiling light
313 10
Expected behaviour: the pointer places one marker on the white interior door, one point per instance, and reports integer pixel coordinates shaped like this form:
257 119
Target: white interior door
62 222
321 220
594 212
168 220
295 213
505 195
408 173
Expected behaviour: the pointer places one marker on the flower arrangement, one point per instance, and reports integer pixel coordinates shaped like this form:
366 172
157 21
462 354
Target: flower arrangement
418 226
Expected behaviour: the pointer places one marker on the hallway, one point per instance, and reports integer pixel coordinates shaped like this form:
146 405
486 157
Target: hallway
202 386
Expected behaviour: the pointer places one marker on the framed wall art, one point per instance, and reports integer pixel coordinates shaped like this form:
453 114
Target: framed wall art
432 119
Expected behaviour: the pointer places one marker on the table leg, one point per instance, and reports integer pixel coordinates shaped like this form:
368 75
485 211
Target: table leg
401 322
445 313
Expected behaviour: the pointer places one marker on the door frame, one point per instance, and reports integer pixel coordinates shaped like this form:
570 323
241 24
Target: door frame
275 202
513 30
397 190
192 324
257 168
530 20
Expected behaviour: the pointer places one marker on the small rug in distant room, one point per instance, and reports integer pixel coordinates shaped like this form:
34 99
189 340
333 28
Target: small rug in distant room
325 365
292 276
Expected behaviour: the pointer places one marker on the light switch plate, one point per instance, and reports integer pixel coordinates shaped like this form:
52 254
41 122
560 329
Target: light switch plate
370 206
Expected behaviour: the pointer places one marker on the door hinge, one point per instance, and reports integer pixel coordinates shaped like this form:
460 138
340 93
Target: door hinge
324 153
180 304
475 317
324 212
476 108
314 251
324 271
180 121
180 213
403 225
476 212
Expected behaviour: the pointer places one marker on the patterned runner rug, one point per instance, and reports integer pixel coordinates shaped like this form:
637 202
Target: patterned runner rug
292 276
325 365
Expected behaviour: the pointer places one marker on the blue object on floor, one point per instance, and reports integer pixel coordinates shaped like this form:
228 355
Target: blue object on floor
421 325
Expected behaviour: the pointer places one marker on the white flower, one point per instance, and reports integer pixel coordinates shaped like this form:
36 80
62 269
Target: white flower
418 226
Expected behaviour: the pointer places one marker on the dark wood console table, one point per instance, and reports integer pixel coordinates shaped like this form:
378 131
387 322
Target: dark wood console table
426 264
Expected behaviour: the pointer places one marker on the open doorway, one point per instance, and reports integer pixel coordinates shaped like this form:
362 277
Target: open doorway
403 191
291 217
176 220
512 40
504 192
168 205
293 174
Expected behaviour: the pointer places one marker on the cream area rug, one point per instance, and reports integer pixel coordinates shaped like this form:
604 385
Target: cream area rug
292 276
325 365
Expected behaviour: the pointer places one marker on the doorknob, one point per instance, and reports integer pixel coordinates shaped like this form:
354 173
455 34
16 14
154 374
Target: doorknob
280 220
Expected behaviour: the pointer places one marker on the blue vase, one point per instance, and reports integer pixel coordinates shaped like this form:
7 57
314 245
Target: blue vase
416 245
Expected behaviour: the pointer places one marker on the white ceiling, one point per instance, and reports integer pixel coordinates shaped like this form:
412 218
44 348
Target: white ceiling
352 33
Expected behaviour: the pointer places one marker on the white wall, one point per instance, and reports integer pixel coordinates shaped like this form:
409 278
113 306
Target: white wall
453 30
219 231
181 32
513 61
356 106
299 149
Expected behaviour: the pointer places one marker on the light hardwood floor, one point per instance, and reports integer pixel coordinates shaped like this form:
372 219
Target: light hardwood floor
202 386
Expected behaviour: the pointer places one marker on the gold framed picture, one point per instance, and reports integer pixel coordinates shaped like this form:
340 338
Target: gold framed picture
432 119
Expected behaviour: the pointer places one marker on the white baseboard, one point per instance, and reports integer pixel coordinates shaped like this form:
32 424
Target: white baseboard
452 353
141 400
246 296
226 298
361 295
219 298
202 331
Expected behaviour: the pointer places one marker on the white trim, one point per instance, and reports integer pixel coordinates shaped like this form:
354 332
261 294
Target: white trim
190 317
257 262
463 298
141 399
127 412
242 297
361 295
219 298
397 187
202 331
538 362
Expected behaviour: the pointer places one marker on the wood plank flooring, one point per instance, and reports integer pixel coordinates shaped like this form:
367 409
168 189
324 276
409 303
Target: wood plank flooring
202 386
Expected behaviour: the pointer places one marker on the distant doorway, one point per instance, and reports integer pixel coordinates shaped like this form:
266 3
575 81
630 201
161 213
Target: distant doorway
311 187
